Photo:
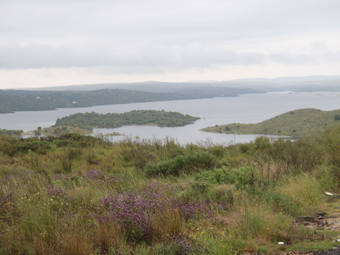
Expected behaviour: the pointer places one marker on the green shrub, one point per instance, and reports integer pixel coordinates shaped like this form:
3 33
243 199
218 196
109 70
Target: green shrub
33 160
223 193
203 181
8 145
217 150
67 156
242 177
187 164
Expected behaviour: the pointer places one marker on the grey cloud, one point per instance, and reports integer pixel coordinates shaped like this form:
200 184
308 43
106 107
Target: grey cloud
154 36
163 21
149 58
287 57
175 57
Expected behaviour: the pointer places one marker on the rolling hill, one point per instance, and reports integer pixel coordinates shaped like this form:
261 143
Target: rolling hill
301 122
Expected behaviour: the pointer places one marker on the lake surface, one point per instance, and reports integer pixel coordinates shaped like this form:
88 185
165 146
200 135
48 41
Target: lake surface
250 108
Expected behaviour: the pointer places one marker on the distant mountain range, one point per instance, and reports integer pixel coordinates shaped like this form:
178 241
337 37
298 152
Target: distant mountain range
213 88
121 93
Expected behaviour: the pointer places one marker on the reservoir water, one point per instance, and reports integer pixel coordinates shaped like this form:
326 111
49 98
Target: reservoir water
251 108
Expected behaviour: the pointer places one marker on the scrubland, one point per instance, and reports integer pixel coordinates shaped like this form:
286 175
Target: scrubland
73 194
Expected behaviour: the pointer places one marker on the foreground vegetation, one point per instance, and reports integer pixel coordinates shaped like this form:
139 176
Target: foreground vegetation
301 122
74 194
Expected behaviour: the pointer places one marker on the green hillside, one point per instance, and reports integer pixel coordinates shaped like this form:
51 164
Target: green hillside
294 123
21 100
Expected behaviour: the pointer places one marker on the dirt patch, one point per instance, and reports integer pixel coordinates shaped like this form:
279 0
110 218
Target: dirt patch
317 223
335 250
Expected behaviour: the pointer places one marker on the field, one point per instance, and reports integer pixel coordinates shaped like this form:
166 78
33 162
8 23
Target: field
74 194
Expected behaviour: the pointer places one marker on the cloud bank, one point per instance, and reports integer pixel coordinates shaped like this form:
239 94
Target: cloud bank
133 37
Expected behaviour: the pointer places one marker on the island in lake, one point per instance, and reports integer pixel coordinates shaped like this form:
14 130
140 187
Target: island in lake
301 122
85 122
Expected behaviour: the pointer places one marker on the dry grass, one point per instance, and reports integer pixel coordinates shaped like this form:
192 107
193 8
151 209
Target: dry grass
166 223
305 190
41 247
108 237
76 242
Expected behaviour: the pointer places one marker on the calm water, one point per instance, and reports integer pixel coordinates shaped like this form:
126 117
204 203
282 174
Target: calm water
250 108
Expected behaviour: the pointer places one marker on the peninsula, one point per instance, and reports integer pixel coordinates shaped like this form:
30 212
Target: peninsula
301 122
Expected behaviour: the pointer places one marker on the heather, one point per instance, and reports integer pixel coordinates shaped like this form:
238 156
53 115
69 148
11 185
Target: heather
74 194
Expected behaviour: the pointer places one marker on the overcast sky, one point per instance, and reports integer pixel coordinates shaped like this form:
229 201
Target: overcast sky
67 42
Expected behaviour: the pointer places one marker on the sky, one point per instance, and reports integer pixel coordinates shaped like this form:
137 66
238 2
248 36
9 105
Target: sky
47 43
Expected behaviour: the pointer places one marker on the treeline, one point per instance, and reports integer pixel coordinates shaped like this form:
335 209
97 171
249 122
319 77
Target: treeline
11 101
10 132
114 120
214 91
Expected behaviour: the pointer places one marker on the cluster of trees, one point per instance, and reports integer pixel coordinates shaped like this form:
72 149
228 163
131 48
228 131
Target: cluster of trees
11 101
11 132
114 120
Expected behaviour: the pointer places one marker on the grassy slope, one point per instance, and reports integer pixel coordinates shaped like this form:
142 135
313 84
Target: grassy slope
294 123
77 194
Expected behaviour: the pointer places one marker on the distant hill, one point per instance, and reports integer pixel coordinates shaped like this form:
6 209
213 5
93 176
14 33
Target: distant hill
254 85
301 122
316 85
31 100
11 100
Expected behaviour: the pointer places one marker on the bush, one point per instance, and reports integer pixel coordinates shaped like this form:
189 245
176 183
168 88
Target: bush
8 145
223 193
187 164
217 150
242 177
299 195
33 160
